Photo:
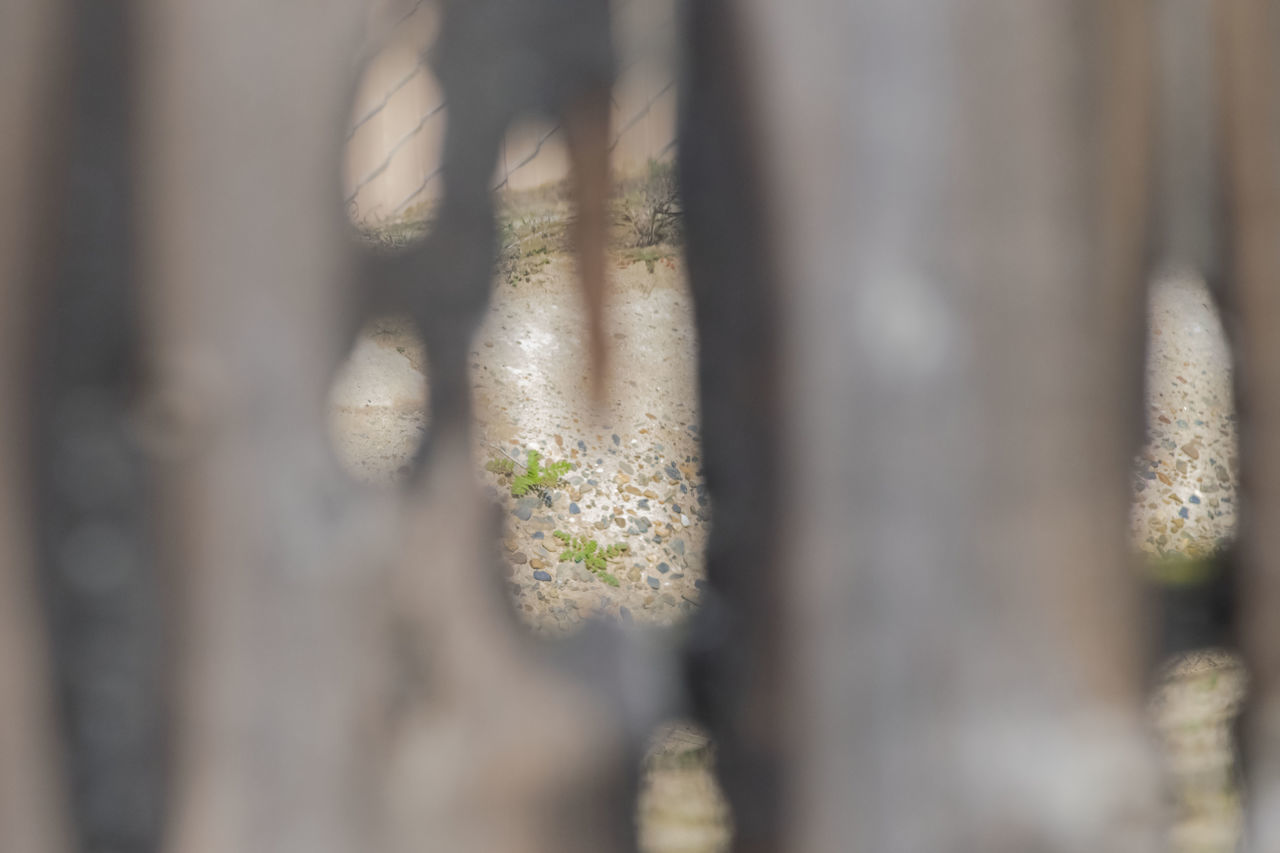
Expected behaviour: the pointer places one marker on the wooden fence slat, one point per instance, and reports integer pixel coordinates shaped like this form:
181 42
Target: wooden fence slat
960 365
32 814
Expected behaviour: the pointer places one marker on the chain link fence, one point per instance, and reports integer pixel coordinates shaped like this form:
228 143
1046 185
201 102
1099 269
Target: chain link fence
394 145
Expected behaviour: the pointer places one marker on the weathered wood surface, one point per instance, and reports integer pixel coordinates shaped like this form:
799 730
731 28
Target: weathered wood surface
1247 58
349 675
923 633
957 202
32 810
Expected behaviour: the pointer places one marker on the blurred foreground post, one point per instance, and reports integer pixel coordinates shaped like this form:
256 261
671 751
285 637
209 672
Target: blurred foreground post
275 743
349 676
32 58
957 198
1248 52
916 245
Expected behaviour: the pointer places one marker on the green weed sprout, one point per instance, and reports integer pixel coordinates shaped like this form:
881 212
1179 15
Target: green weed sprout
590 554
537 478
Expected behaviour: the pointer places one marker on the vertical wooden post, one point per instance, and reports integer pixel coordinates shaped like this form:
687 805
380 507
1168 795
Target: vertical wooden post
349 675
32 58
1248 35
959 198
245 264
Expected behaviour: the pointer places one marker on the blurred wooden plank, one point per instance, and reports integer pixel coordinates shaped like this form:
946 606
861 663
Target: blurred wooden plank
350 677
245 268
959 197
1248 33
32 60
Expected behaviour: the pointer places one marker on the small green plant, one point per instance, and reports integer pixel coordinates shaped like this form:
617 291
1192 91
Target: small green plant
501 465
590 554
537 479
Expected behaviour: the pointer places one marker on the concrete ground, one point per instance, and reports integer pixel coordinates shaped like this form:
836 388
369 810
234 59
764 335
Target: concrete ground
1185 486
636 481
1185 492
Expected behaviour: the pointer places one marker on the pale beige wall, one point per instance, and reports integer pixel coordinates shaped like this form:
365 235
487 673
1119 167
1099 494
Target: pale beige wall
392 153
